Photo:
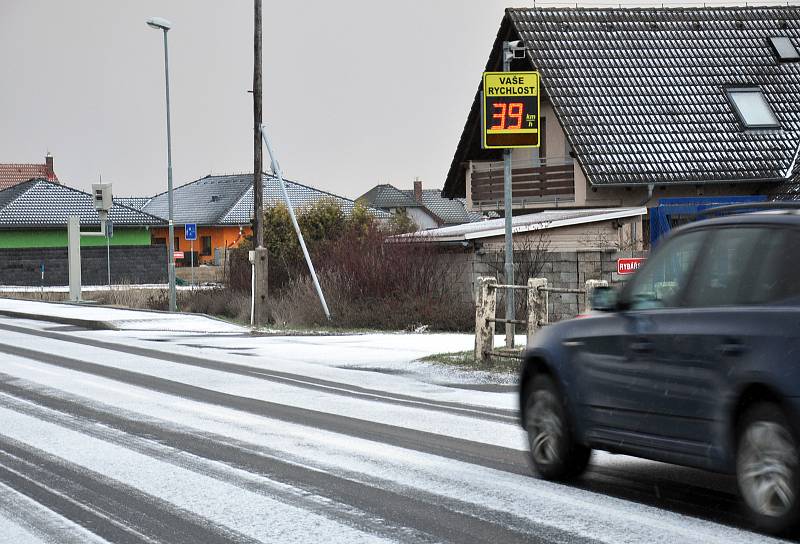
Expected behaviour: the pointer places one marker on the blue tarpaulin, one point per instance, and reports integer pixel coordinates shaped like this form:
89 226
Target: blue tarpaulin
676 211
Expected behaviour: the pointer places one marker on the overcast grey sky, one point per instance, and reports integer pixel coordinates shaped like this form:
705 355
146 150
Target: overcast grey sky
356 92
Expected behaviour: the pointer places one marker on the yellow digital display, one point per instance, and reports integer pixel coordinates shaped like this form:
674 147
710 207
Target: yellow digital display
510 110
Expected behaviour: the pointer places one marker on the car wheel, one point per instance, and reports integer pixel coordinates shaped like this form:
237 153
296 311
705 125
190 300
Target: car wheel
553 451
767 468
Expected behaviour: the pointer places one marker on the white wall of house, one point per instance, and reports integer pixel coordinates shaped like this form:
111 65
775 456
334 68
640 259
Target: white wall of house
421 218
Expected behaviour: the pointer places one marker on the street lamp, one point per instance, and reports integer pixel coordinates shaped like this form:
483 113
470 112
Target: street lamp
162 24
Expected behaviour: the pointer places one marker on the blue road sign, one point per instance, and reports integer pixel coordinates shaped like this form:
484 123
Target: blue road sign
190 231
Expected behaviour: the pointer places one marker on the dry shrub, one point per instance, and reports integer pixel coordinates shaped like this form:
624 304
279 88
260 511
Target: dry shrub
237 273
373 283
217 302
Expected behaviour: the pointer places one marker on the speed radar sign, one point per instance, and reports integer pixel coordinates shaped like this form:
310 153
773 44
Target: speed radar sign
510 110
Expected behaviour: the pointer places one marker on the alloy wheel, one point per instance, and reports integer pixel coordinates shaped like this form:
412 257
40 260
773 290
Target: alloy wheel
545 429
766 468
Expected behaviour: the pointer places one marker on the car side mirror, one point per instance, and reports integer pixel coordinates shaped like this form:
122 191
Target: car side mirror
605 299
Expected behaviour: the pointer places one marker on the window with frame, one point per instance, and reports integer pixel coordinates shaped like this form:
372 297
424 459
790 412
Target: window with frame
752 108
206 242
784 49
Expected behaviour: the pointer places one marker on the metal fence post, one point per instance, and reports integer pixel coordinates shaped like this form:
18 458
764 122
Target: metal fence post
590 285
537 306
485 309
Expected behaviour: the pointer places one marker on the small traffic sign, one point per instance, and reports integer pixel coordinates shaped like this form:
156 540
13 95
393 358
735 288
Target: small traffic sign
629 266
190 231
178 254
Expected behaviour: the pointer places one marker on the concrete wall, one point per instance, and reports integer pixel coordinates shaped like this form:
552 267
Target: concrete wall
58 238
129 264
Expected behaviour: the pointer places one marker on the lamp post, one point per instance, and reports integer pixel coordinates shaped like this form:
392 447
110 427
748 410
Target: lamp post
162 24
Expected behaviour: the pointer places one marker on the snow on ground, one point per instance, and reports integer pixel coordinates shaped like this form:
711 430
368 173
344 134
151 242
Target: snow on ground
256 515
383 362
117 318
24 521
561 507
457 426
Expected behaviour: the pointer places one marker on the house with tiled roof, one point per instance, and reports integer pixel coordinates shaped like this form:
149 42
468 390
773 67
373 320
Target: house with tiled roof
426 208
222 208
34 214
642 104
14 173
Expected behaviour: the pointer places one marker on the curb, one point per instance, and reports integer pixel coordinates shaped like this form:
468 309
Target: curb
85 323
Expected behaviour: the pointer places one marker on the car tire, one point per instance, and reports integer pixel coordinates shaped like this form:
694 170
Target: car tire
767 469
554 453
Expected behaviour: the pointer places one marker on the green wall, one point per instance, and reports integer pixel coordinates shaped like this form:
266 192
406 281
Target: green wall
58 238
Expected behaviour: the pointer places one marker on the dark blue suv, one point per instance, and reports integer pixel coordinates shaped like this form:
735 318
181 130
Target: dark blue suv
696 361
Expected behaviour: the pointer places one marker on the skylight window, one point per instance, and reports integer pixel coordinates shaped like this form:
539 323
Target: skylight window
784 49
752 108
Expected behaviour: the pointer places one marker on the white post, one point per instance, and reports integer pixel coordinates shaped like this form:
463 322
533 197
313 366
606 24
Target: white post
485 309
191 260
108 258
74 257
590 285
537 306
276 170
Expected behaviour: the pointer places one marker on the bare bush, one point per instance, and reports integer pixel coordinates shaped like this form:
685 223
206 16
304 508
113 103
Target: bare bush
372 283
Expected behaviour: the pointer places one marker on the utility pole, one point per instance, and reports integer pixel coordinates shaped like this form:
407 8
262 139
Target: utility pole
510 306
259 255
258 163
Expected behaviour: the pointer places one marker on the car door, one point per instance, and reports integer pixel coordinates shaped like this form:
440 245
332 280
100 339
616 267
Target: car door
613 356
718 324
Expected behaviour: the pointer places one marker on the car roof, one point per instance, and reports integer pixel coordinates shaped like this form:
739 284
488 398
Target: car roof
764 217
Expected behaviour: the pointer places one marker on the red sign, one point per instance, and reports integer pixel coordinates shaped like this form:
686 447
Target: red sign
178 254
629 266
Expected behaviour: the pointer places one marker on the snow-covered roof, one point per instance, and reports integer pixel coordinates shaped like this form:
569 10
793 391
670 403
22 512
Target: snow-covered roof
46 204
550 219
228 199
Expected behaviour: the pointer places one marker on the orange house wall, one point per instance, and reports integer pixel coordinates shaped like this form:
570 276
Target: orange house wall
220 237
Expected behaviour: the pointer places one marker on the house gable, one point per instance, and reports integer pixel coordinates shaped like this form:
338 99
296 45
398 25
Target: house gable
641 93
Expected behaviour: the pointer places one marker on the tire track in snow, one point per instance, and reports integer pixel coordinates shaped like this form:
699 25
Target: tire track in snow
108 508
442 518
287 378
45 525
149 437
487 455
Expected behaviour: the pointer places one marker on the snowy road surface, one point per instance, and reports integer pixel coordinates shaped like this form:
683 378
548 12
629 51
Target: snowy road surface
136 436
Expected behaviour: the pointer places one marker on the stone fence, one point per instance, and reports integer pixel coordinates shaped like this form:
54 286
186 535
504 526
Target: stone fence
537 310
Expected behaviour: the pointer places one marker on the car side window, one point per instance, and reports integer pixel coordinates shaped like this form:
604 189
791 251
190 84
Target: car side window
729 269
776 279
659 282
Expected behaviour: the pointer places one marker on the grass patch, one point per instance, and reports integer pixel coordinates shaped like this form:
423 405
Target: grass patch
466 360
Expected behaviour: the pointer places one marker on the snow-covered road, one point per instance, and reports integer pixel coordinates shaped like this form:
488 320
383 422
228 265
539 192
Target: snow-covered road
137 436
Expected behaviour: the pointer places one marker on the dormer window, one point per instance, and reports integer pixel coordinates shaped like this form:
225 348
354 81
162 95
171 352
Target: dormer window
752 108
784 49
